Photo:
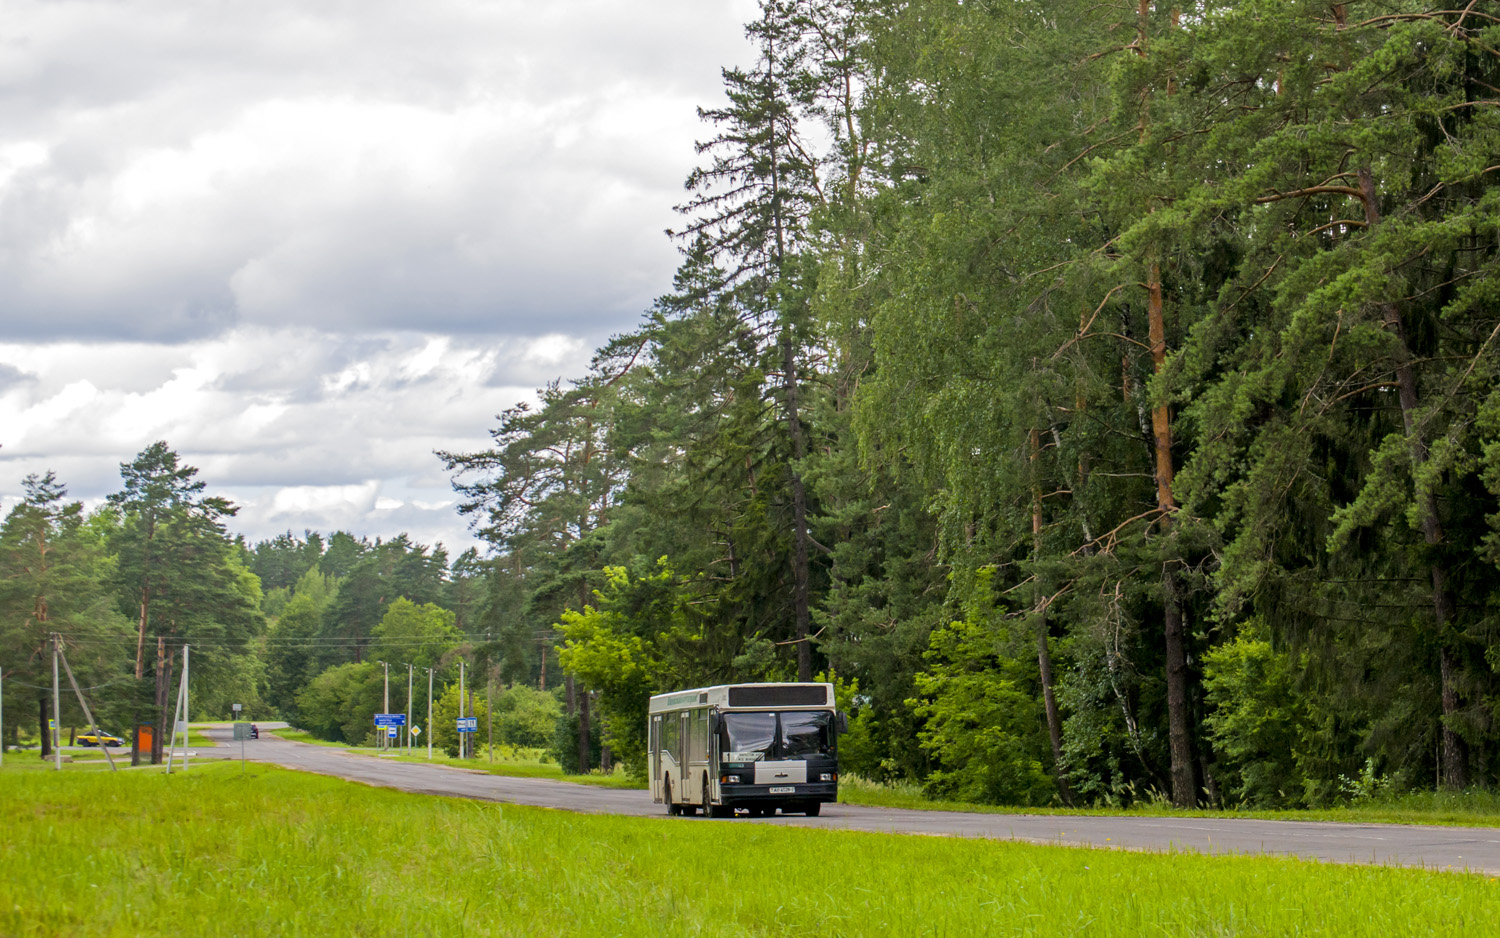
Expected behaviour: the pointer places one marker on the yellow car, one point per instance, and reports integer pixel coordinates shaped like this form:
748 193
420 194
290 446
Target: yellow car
102 739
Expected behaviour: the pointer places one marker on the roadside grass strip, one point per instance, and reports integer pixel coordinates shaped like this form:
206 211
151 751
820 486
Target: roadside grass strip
302 736
527 768
507 765
267 851
1446 809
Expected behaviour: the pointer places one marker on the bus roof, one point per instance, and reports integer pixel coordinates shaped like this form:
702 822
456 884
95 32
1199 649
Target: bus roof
747 697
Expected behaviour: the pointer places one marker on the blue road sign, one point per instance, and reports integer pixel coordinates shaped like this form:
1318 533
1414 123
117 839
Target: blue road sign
468 724
390 719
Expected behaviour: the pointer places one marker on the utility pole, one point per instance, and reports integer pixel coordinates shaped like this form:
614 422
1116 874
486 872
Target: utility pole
429 714
489 710
2 718
87 714
385 706
186 719
460 705
410 669
56 710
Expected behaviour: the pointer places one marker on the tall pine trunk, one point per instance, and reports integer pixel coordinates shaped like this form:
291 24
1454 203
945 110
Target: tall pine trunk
140 671
41 723
1179 732
163 682
584 760
1043 651
1454 751
801 603
1180 738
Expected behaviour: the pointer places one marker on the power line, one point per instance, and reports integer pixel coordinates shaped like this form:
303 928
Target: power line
49 686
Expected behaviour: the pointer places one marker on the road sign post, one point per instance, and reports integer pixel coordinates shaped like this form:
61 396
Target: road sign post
390 723
242 733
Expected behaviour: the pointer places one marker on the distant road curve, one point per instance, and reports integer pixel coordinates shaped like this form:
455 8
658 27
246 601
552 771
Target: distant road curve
1444 848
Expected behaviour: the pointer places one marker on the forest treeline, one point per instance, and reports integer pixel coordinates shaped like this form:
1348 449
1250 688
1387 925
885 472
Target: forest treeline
293 628
1105 395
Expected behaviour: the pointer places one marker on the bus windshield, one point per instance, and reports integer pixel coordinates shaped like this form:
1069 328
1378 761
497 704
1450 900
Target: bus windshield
750 737
804 733
744 733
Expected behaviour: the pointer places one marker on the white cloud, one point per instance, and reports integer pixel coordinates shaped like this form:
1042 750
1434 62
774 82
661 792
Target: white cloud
304 429
307 243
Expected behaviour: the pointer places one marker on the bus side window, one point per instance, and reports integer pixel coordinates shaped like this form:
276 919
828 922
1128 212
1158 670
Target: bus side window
698 736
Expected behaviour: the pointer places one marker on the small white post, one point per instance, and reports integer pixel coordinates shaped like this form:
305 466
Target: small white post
178 721
429 714
56 730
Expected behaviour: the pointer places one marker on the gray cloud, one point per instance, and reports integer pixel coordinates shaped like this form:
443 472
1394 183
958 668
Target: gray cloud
11 376
170 171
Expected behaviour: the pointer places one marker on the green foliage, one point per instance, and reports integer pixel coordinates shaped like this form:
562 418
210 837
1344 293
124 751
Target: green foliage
982 723
420 635
644 637
525 716
340 704
1257 718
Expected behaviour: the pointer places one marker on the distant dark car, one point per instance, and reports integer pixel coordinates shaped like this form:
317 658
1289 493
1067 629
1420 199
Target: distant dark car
254 731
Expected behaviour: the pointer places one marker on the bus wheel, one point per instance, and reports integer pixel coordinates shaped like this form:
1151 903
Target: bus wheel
813 809
673 809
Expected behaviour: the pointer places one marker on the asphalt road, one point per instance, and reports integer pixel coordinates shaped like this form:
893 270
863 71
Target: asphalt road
1444 848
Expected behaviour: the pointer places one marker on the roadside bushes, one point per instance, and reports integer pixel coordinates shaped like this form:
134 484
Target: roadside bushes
340 704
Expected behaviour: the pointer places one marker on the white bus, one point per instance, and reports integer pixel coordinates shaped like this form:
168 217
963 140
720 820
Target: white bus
756 747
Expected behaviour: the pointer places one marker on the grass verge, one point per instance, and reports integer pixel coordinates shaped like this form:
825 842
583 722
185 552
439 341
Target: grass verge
508 766
1444 809
527 768
303 736
268 851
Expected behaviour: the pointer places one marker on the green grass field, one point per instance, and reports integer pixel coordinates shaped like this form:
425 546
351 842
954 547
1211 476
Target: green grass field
1454 809
221 851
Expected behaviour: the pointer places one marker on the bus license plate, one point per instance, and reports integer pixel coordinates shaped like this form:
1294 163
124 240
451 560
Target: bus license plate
784 790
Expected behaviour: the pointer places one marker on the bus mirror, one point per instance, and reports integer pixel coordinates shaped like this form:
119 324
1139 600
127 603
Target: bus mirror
841 722
713 724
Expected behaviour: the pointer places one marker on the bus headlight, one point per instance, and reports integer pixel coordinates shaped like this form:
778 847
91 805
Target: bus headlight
729 779
828 777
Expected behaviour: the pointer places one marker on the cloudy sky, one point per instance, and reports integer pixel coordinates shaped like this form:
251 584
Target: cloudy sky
307 243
